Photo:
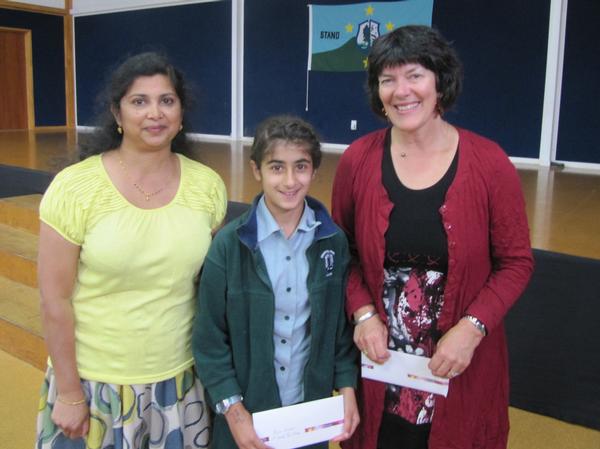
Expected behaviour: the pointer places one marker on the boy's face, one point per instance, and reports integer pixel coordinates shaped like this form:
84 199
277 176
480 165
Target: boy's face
285 173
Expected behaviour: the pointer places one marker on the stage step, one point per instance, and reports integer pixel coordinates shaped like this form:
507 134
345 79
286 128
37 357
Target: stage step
21 212
18 255
20 323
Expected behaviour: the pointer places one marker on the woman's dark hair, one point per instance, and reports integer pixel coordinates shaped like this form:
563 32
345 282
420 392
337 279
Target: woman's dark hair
105 136
416 44
285 129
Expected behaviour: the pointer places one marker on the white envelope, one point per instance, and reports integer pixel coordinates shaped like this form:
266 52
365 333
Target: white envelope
301 424
406 370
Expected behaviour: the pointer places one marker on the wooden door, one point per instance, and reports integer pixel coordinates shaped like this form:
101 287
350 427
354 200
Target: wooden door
16 80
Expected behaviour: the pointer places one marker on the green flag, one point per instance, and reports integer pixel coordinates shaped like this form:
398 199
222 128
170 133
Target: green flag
340 36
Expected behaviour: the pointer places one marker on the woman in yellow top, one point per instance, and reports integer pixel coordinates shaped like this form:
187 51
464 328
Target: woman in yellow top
123 235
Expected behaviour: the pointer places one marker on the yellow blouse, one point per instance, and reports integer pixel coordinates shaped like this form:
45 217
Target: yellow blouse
134 297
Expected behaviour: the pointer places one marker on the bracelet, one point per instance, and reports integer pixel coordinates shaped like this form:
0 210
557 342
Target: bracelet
477 323
365 316
62 401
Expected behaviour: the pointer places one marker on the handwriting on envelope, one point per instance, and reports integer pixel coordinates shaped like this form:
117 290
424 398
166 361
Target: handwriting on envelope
406 370
301 424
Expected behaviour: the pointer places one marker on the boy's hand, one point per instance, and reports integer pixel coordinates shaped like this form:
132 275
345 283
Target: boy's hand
351 416
242 429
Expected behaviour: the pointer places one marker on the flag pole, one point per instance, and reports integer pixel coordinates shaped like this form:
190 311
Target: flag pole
306 104
309 62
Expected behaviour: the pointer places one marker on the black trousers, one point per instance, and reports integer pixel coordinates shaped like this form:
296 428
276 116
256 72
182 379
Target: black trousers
397 433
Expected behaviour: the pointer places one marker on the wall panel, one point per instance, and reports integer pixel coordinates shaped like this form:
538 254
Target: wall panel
579 112
197 38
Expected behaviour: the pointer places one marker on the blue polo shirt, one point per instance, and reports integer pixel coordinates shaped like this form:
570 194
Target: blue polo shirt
287 267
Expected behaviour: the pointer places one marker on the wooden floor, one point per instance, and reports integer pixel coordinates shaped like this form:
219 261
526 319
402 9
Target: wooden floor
563 205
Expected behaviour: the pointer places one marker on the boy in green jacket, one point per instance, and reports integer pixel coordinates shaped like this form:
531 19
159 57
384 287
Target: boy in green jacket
270 328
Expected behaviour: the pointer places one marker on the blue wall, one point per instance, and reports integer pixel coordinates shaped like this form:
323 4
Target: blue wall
502 45
47 42
580 98
275 58
196 37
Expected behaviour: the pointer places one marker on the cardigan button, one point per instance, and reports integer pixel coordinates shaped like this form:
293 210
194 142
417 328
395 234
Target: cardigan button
452 244
448 226
443 209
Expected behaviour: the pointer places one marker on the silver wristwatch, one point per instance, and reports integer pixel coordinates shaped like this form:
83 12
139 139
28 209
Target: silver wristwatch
223 406
477 323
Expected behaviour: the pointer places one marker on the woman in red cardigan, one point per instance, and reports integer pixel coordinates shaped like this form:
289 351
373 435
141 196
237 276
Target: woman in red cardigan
436 221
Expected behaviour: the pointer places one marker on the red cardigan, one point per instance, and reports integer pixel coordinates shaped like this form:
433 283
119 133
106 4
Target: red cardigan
489 265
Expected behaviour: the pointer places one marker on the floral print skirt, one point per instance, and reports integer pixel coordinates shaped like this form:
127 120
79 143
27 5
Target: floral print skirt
171 414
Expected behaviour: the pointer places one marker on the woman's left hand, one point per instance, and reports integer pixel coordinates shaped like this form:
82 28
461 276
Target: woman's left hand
455 350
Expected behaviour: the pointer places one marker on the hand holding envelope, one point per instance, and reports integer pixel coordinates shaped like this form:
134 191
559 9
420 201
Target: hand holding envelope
406 370
301 424
240 424
351 414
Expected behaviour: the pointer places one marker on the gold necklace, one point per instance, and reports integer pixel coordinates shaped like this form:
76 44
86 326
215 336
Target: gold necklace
140 189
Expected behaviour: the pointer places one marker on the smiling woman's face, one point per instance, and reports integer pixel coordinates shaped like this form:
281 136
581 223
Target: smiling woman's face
150 113
409 96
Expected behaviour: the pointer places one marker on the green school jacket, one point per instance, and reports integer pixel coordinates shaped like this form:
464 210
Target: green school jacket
233 330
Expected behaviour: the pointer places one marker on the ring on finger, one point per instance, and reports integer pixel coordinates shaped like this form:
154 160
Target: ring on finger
452 374
365 352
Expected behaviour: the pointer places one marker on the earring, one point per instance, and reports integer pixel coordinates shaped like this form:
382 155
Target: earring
119 129
384 111
180 127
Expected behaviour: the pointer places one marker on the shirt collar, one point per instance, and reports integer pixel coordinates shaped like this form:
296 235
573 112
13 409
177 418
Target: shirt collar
266 224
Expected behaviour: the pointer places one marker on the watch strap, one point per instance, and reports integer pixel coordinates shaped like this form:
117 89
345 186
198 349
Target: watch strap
223 406
477 323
